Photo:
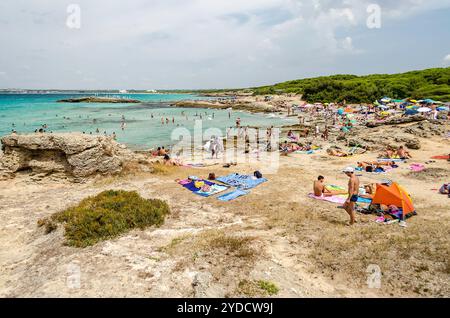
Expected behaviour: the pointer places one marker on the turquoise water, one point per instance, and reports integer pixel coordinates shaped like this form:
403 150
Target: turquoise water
27 112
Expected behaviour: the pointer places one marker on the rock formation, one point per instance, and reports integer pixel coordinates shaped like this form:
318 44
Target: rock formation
91 99
74 154
396 121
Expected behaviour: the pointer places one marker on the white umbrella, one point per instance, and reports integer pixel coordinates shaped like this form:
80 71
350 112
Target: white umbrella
424 110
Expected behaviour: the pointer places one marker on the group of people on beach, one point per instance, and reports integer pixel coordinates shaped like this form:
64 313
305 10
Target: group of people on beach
353 191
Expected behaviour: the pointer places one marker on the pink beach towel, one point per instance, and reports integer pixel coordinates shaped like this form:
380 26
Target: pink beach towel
417 167
334 199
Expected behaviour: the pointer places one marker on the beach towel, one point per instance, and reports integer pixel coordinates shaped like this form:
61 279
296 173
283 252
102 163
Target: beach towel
310 152
341 198
243 182
390 160
232 195
417 167
364 200
441 157
333 199
214 188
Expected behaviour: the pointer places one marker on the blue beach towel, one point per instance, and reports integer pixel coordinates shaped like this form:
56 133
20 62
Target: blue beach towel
364 200
243 182
215 188
232 195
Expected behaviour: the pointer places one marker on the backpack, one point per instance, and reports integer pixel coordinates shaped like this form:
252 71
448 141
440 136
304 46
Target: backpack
212 176
258 174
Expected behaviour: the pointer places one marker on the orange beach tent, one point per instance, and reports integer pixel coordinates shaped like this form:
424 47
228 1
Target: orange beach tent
394 195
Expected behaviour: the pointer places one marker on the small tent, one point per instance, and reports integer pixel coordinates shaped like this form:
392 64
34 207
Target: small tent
394 194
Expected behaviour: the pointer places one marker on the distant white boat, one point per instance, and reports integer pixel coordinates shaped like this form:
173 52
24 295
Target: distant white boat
123 91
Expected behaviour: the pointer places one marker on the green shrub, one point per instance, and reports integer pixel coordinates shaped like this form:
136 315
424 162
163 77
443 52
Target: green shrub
268 287
108 215
430 83
253 288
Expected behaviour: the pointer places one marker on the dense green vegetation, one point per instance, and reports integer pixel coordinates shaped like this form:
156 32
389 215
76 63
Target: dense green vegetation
105 216
430 83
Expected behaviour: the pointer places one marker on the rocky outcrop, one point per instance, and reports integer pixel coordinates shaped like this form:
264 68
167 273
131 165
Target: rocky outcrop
75 155
396 121
107 100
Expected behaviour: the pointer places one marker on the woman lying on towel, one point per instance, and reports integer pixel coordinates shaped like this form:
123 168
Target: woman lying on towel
292 136
336 153
368 191
287 148
172 162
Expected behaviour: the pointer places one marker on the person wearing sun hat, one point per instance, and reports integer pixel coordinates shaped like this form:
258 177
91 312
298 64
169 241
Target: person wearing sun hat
353 190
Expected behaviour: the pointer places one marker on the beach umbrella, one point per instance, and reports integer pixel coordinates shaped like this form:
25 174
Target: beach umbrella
413 101
383 107
424 110
386 100
411 112
443 108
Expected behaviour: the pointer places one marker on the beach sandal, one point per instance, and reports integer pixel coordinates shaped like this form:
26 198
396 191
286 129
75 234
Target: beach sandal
380 219
403 224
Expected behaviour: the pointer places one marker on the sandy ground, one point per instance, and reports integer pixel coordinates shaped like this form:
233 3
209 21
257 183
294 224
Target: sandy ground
302 246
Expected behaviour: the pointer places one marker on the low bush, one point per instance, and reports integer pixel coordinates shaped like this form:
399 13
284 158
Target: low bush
108 215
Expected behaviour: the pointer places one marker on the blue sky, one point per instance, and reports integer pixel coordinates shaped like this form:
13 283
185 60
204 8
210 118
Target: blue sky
168 44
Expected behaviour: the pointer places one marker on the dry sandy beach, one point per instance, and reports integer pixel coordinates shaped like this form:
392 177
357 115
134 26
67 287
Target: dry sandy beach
209 248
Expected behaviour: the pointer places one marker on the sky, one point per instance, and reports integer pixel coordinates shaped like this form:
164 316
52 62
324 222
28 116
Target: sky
193 44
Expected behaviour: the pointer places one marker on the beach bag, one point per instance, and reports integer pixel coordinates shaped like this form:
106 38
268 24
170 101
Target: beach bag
199 184
212 176
444 189
258 174
369 169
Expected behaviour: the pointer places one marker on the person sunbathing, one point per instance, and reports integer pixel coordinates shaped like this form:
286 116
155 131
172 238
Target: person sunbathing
292 136
336 152
403 154
321 190
368 191
172 162
388 153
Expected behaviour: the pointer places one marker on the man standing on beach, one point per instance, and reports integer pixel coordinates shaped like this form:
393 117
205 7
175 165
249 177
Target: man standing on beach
353 191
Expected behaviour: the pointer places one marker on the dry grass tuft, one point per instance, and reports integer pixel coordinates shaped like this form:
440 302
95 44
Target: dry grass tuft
162 169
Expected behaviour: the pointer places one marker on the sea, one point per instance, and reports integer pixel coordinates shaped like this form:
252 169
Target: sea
143 129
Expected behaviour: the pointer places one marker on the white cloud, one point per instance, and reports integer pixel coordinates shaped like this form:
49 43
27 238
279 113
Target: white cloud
447 60
171 39
347 44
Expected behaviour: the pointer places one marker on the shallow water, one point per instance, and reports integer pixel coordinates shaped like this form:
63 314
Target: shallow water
27 112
